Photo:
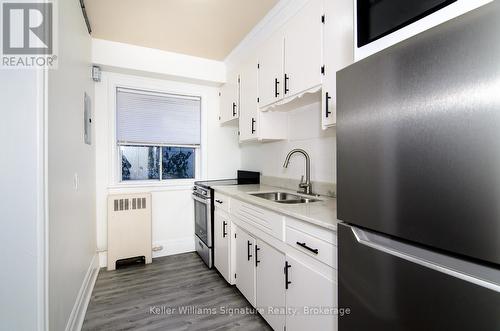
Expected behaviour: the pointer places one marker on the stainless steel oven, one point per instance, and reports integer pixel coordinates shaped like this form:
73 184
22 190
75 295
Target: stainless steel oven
202 198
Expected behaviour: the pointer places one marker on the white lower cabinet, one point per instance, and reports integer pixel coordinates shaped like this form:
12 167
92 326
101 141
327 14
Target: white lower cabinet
270 284
309 292
245 265
222 232
291 278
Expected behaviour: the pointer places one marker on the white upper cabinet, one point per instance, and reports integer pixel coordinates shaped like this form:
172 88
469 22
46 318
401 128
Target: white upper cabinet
338 52
249 107
229 102
255 124
290 61
303 49
302 56
271 70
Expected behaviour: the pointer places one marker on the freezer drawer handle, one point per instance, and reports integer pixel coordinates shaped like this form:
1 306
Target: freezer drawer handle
314 250
474 273
218 201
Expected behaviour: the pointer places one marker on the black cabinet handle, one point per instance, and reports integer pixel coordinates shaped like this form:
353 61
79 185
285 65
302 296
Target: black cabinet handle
218 201
234 108
253 125
287 282
248 250
314 250
327 112
224 233
286 84
276 93
256 258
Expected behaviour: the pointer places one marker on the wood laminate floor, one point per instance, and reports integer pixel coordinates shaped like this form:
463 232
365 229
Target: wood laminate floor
168 295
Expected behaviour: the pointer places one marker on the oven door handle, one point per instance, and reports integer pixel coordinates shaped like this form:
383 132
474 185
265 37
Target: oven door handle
206 201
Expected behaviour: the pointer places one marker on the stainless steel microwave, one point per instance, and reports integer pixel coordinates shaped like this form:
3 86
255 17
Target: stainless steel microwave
383 23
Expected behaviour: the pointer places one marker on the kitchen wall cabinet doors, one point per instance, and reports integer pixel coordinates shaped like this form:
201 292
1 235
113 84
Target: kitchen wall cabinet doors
270 283
245 265
271 70
309 289
230 97
255 124
303 49
338 52
249 106
290 61
222 254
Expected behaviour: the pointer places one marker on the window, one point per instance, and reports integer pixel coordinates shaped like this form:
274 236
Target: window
158 135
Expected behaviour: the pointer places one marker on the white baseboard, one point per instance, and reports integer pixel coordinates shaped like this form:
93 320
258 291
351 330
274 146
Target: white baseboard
170 247
77 315
175 246
103 259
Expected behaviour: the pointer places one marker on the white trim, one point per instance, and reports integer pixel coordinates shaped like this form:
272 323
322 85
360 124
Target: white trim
77 315
170 247
115 81
150 187
445 14
42 201
175 246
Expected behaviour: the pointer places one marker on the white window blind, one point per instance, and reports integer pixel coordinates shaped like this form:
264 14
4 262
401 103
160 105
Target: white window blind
157 118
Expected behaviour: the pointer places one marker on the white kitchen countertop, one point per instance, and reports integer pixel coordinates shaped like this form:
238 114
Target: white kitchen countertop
322 213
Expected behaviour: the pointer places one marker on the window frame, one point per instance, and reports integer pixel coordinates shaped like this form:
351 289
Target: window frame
154 86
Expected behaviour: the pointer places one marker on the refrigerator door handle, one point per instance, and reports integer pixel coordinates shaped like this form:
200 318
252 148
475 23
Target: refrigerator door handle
468 271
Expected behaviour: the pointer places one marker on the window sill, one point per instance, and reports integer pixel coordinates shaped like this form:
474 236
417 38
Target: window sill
175 183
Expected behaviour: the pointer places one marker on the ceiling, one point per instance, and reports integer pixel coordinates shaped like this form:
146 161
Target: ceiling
204 28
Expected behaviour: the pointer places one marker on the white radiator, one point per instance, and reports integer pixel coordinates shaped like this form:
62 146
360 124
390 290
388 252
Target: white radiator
129 227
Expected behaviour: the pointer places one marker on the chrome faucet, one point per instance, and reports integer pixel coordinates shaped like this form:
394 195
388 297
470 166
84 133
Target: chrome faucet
306 186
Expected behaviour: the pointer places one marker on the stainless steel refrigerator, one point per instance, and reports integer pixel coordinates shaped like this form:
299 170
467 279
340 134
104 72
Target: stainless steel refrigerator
418 180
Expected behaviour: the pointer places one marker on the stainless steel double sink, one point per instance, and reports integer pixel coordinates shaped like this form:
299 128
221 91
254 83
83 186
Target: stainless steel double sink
284 197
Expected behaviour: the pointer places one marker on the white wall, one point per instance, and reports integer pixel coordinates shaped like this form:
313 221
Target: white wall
172 213
304 130
21 201
72 244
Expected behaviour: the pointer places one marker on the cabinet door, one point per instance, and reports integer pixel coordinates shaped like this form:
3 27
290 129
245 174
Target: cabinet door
270 284
248 100
303 49
271 70
338 52
229 98
221 245
245 268
309 289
